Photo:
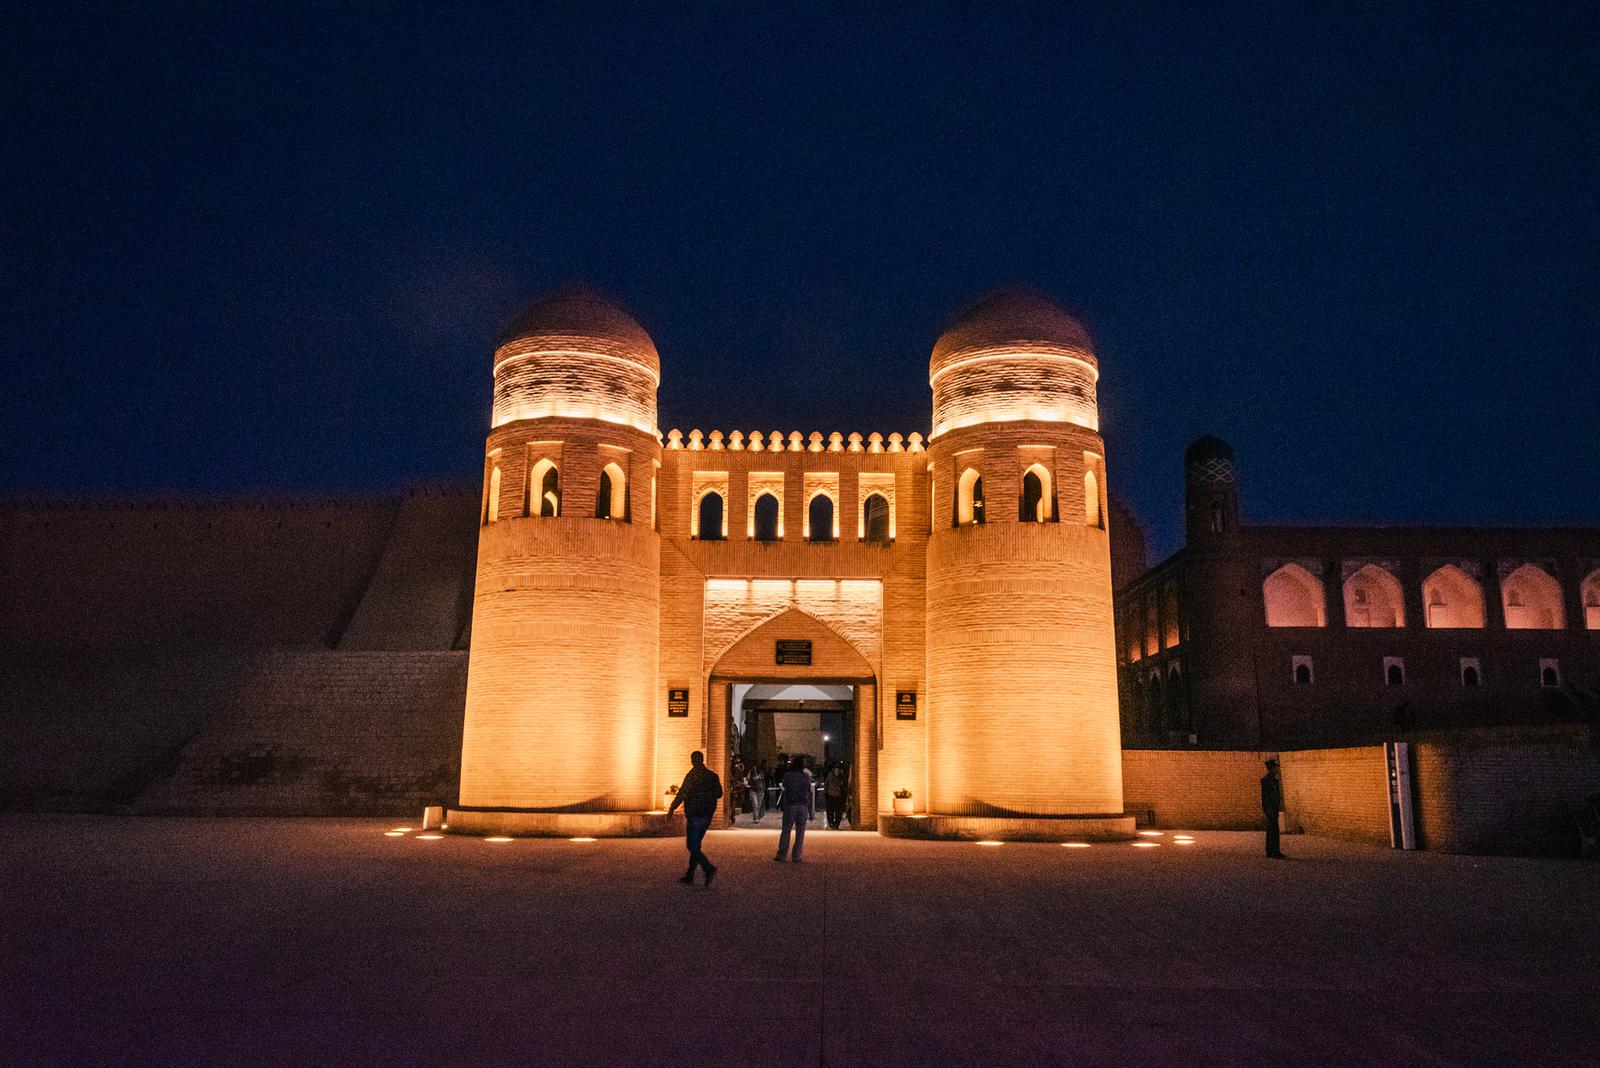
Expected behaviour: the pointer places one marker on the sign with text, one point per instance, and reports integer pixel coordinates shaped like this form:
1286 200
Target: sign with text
905 704
794 652
678 702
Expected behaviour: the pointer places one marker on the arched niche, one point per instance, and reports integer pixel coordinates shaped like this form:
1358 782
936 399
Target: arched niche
1590 591
545 482
1452 599
875 518
1372 598
821 517
1038 496
711 516
611 502
969 498
767 523
1293 598
1531 599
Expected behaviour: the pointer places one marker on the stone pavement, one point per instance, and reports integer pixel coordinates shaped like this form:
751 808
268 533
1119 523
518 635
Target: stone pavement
323 942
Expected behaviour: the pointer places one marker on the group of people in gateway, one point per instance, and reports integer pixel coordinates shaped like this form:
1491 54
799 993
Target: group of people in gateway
758 789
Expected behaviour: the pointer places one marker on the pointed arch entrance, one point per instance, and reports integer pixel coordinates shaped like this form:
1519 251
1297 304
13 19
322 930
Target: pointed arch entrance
754 659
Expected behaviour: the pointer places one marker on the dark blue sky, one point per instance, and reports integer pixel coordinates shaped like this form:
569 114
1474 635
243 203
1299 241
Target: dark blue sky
267 250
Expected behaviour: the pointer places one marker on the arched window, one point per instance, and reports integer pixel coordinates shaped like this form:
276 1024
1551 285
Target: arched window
1293 598
1591 601
1217 522
1038 502
875 517
969 498
1453 599
612 500
1471 678
546 484
766 518
1302 674
1532 600
1394 675
1091 499
819 518
491 512
1549 673
1372 598
712 517
1176 720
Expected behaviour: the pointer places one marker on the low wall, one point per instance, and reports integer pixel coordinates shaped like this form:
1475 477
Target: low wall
1340 793
1193 789
1505 791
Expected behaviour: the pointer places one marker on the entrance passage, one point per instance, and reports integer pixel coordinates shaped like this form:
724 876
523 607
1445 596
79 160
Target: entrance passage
771 723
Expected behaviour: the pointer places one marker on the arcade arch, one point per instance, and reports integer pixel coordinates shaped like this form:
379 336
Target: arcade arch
1372 598
1293 598
1532 600
1453 599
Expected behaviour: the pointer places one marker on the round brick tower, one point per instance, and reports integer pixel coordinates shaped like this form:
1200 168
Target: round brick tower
1023 732
566 611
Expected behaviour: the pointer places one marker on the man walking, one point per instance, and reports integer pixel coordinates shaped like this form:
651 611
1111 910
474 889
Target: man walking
698 795
835 785
1271 805
799 805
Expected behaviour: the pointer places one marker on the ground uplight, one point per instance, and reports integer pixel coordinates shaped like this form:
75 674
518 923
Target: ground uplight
497 838
1146 845
429 837
582 839
990 842
402 830
1076 845
394 834
1152 834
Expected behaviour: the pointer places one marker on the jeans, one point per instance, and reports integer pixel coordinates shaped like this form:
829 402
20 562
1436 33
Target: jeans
795 817
758 804
693 836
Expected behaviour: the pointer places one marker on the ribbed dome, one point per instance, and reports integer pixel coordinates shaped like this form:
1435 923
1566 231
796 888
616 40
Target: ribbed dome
584 321
1207 448
1013 320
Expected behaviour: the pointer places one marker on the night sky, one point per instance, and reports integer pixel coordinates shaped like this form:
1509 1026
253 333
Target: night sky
258 251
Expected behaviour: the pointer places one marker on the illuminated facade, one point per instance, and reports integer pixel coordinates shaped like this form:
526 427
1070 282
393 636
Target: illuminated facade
1255 636
632 587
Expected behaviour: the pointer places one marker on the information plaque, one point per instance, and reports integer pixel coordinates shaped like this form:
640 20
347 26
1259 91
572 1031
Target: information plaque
905 704
794 652
678 702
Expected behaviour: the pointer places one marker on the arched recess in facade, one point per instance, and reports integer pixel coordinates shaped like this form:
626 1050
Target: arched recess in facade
834 660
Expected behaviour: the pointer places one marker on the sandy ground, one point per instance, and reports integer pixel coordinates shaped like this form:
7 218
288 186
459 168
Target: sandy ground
324 942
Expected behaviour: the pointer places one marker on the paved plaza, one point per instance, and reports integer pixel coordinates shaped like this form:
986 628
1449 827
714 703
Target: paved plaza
325 942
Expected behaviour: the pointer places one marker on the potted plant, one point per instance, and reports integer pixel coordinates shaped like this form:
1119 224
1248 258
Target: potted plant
902 802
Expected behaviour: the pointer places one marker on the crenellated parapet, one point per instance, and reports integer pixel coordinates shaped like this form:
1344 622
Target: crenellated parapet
794 441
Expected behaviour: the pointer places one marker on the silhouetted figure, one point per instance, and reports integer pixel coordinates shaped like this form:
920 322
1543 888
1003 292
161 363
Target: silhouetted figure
835 787
756 783
799 805
1271 805
698 795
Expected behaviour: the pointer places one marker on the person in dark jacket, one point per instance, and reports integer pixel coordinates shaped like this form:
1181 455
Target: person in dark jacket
799 805
698 795
835 787
1271 805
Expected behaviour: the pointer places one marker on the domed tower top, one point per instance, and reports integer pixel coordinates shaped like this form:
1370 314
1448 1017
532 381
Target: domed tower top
1210 490
1013 355
576 355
